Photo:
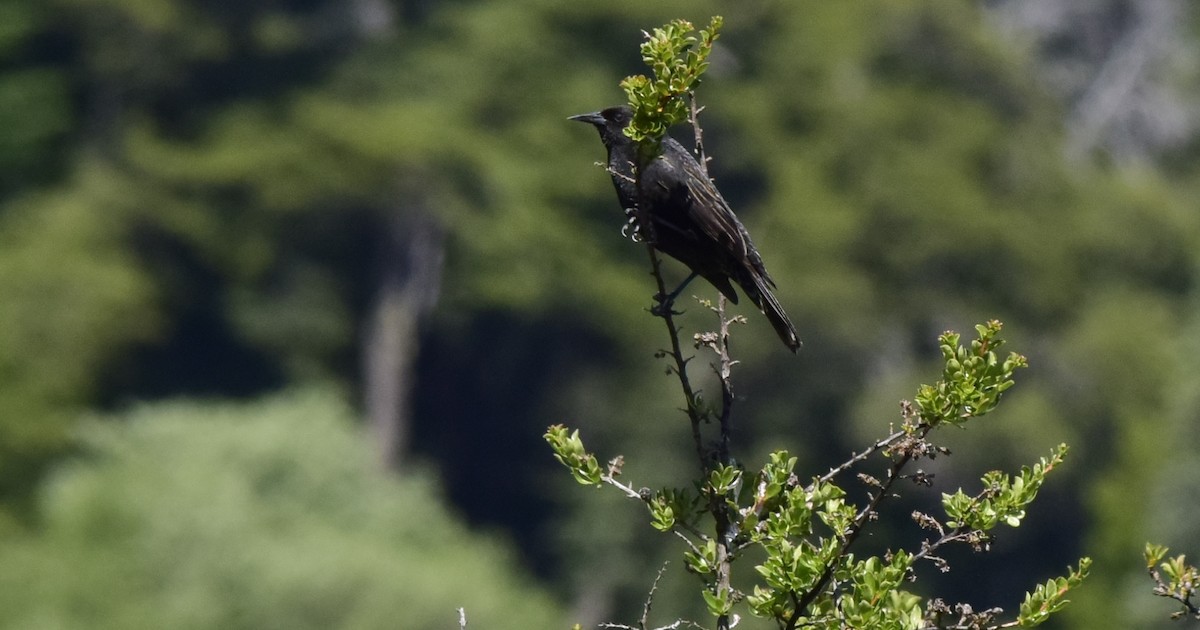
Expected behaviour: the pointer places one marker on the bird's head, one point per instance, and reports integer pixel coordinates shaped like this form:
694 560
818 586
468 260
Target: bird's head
609 122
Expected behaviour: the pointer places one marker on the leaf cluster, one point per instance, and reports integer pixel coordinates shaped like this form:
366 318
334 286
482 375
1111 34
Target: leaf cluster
569 451
256 515
808 574
1003 498
1174 579
677 58
972 380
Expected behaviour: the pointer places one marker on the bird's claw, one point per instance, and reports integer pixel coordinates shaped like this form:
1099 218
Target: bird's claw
665 302
632 230
664 305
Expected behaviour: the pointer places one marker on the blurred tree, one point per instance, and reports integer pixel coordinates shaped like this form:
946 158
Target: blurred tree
73 296
1125 68
268 515
35 108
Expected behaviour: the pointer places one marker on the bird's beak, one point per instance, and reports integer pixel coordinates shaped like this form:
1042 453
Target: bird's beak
593 118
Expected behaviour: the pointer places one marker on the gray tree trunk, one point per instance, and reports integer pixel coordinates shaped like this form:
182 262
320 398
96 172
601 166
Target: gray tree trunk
410 270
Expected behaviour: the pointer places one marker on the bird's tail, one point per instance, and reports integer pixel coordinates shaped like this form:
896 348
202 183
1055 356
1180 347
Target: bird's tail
766 302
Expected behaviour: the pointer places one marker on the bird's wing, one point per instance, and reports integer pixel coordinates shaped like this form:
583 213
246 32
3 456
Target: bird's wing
709 210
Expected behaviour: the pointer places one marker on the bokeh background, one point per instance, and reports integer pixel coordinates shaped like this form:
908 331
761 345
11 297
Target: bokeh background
290 289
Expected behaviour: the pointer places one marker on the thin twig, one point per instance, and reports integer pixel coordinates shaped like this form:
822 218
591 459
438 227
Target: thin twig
1162 589
725 372
688 541
674 625
696 416
698 135
634 494
650 596
664 310
809 596
1184 599
955 535
865 453
961 626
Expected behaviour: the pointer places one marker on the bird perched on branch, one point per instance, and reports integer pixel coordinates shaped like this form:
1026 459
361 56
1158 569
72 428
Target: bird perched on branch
688 219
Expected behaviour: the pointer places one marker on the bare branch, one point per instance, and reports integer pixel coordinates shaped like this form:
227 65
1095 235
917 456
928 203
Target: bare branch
865 453
663 310
698 135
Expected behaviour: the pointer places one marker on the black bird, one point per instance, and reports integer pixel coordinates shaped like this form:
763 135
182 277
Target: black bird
690 221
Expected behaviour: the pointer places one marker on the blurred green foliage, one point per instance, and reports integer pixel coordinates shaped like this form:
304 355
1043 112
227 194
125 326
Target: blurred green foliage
193 192
263 515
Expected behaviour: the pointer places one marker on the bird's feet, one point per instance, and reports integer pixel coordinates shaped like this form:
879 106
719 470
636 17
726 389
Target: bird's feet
664 303
663 306
632 230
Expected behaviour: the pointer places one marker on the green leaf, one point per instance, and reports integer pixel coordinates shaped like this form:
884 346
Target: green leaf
1154 554
1050 597
719 603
